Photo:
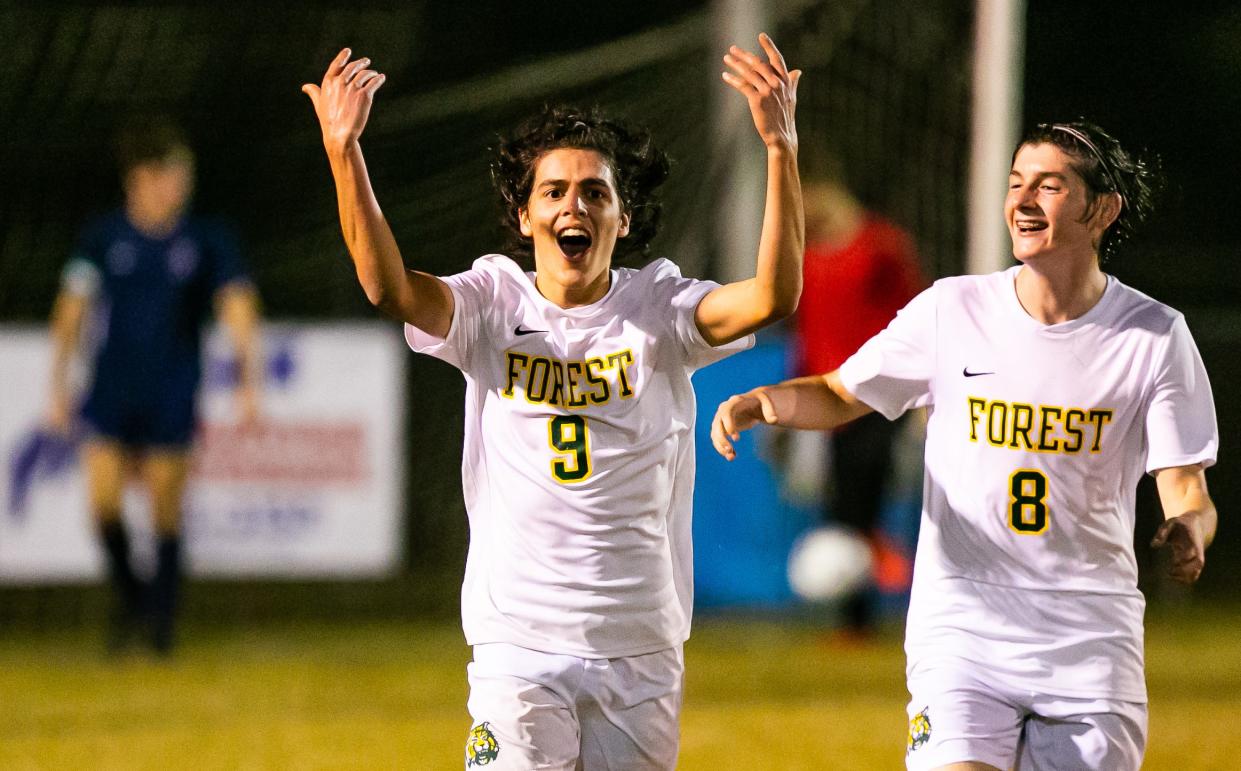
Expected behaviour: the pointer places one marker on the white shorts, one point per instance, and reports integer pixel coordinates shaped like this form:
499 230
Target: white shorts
954 717
549 711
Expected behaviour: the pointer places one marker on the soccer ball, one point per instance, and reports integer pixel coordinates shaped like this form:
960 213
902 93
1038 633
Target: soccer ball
829 563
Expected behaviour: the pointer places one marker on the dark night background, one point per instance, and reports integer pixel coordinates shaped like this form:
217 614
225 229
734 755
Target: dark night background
1159 75
1163 76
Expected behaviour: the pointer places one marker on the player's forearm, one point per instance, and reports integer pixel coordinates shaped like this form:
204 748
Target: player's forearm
1210 519
376 257
813 403
1183 491
1197 502
740 308
239 310
778 272
65 327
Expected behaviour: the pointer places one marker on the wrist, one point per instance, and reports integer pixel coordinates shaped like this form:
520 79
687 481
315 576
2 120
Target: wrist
782 150
1200 520
340 150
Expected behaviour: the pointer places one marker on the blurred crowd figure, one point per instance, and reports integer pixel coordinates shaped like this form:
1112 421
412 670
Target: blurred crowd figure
859 269
141 283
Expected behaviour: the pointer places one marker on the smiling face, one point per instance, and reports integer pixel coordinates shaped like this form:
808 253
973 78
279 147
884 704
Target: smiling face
574 217
1047 205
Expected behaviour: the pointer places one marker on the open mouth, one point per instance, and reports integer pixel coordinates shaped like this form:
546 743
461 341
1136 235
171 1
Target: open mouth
573 241
1027 227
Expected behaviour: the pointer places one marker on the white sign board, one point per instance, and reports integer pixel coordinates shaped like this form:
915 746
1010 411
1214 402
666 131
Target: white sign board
314 489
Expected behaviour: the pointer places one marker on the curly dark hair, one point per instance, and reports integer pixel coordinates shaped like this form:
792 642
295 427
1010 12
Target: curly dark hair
639 168
1106 167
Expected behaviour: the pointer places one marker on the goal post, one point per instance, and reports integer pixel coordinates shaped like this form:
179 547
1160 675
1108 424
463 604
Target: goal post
999 45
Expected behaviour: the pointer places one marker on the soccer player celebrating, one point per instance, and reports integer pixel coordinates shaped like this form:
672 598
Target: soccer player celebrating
579 454
154 272
1052 387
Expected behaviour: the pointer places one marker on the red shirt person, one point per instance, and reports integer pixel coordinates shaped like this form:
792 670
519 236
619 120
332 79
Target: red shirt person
859 270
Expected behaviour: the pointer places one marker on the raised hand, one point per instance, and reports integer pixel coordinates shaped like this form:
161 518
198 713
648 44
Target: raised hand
770 89
740 412
343 100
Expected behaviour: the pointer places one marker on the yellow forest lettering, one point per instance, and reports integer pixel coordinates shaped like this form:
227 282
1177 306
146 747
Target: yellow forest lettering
572 384
1040 428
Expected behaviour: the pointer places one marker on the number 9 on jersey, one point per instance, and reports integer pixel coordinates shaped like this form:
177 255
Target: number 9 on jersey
570 438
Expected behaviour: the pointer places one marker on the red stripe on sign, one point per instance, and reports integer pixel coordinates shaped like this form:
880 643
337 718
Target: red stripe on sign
302 452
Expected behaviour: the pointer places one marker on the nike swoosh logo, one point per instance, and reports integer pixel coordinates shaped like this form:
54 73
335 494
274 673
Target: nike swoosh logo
523 331
967 373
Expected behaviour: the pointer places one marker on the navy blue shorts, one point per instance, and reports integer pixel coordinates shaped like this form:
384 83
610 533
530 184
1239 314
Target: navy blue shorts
150 420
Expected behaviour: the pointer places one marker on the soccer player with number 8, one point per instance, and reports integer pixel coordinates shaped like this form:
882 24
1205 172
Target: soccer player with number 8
1052 388
579 437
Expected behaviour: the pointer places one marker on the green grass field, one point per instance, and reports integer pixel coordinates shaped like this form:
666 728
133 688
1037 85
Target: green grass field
760 695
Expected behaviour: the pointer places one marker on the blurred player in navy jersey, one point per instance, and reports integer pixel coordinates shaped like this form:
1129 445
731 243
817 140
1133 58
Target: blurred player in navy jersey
148 277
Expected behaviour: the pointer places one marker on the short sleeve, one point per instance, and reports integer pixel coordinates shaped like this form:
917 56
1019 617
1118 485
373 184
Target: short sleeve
473 294
686 293
81 275
1180 420
892 372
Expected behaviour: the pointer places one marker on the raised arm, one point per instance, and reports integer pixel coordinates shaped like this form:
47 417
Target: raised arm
1189 519
737 309
818 402
343 103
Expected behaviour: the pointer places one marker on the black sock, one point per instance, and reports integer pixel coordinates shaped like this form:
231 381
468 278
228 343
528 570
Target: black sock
125 585
859 611
164 590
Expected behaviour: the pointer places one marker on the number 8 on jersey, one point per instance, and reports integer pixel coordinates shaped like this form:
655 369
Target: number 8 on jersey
1027 508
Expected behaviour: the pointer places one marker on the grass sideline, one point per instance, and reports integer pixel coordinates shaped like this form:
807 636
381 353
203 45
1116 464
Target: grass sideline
370 695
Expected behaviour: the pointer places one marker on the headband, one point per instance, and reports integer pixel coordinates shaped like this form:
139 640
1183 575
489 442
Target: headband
1080 137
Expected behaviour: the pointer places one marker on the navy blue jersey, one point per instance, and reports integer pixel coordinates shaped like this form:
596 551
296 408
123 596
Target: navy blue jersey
151 300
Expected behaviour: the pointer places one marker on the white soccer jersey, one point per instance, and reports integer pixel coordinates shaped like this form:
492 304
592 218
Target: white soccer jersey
578 467
1036 440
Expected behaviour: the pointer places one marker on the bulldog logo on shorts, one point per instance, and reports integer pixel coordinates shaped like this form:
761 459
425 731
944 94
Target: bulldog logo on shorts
919 730
481 747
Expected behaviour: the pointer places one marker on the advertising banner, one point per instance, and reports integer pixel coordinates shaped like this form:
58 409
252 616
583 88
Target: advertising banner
314 488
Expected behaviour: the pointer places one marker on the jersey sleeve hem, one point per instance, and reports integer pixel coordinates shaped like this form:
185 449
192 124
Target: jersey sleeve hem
855 383
80 277
421 341
700 351
1206 459
733 346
